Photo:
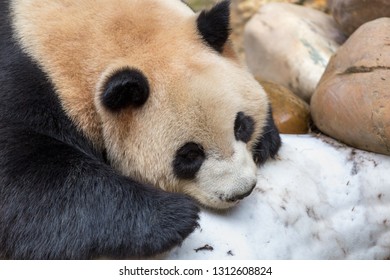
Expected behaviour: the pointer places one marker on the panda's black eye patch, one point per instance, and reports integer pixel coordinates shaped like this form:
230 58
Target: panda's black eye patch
188 160
244 126
127 87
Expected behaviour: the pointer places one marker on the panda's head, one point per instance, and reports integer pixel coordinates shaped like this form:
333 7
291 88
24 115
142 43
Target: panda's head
171 103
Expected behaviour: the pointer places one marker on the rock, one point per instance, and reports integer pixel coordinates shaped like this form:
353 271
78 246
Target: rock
319 200
352 101
243 10
350 14
291 45
291 114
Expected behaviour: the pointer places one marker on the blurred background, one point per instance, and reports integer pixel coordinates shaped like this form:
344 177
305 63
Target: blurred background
243 10
297 49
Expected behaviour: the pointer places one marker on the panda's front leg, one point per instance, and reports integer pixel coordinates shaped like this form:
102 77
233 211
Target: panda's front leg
60 202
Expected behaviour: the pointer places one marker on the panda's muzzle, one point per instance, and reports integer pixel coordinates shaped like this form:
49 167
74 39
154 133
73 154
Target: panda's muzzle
242 196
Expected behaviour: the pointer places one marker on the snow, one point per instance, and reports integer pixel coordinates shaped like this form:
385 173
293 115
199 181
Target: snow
318 200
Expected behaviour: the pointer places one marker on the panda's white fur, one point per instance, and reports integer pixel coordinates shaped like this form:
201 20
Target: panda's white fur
194 86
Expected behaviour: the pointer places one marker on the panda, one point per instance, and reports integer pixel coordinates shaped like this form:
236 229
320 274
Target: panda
118 119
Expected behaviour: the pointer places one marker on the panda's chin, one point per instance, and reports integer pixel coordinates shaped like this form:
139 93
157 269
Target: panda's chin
224 205
220 207
215 203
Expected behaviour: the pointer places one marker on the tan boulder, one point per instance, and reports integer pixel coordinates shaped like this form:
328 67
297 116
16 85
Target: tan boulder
352 100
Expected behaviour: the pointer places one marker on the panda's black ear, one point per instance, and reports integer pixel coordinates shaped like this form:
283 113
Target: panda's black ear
125 88
214 25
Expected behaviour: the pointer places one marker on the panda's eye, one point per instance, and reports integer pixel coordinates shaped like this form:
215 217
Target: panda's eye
188 160
244 126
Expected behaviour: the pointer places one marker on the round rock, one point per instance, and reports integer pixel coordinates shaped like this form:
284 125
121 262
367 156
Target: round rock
352 100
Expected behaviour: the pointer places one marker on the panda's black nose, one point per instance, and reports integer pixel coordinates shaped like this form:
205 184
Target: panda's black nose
243 195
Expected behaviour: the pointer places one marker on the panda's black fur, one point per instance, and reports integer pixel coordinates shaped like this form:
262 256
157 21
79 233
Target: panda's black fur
59 198
269 143
214 25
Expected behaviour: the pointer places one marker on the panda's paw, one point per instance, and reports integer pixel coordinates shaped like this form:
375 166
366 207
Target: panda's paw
176 217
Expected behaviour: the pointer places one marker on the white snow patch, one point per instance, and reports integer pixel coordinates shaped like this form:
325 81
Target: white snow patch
319 200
